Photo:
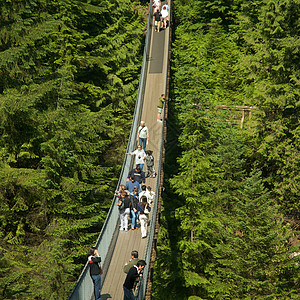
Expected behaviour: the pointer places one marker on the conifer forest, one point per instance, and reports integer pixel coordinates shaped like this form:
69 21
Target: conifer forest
69 74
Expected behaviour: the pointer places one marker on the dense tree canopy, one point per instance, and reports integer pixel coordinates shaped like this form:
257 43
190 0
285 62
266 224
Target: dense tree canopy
231 207
69 73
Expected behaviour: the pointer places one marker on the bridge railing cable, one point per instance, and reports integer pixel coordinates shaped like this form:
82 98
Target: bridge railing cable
141 289
105 243
140 292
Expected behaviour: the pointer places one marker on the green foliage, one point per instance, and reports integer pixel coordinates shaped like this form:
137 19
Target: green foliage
253 260
230 215
273 66
69 73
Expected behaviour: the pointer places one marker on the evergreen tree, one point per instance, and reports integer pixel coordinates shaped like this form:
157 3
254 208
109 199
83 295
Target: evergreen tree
254 259
69 74
236 60
271 39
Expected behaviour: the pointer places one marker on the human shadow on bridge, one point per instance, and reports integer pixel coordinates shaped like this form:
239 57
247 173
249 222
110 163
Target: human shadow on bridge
105 296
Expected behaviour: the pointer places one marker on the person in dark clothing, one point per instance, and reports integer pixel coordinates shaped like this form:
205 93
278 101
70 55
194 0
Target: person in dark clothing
134 198
157 18
95 271
131 277
124 210
150 164
143 209
137 174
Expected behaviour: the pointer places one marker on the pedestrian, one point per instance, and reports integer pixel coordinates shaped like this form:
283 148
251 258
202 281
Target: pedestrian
146 191
156 4
143 192
134 198
134 273
157 19
139 156
132 262
165 16
142 136
131 184
160 107
150 164
95 270
166 6
144 209
138 175
124 210
150 194
122 188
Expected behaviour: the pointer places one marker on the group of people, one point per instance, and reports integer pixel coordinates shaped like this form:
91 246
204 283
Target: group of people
135 202
134 270
141 154
160 15
135 198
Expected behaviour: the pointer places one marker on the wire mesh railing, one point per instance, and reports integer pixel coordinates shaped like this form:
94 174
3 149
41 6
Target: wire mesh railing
141 290
83 288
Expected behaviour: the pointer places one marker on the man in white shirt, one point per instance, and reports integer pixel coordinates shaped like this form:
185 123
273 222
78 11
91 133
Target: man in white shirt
167 6
142 136
165 15
146 191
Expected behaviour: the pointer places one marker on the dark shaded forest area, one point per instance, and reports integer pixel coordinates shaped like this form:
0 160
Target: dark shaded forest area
230 225
69 73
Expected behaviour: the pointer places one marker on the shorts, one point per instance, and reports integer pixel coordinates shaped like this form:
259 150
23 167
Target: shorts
159 109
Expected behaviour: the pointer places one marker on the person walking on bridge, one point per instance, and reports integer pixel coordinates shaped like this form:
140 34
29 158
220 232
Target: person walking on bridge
160 107
157 20
142 136
139 156
131 184
144 209
95 271
156 4
138 175
166 6
132 262
124 210
131 277
134 198
165 16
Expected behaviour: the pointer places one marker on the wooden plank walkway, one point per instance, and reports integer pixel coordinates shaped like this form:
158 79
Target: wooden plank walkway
112 287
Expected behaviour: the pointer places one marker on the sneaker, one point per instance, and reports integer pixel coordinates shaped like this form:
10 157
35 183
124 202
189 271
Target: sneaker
121 229
159 121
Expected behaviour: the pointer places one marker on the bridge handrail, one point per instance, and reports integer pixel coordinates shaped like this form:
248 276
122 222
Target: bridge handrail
141 289
83 288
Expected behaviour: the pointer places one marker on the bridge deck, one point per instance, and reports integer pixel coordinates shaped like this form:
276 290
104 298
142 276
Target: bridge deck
112 287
